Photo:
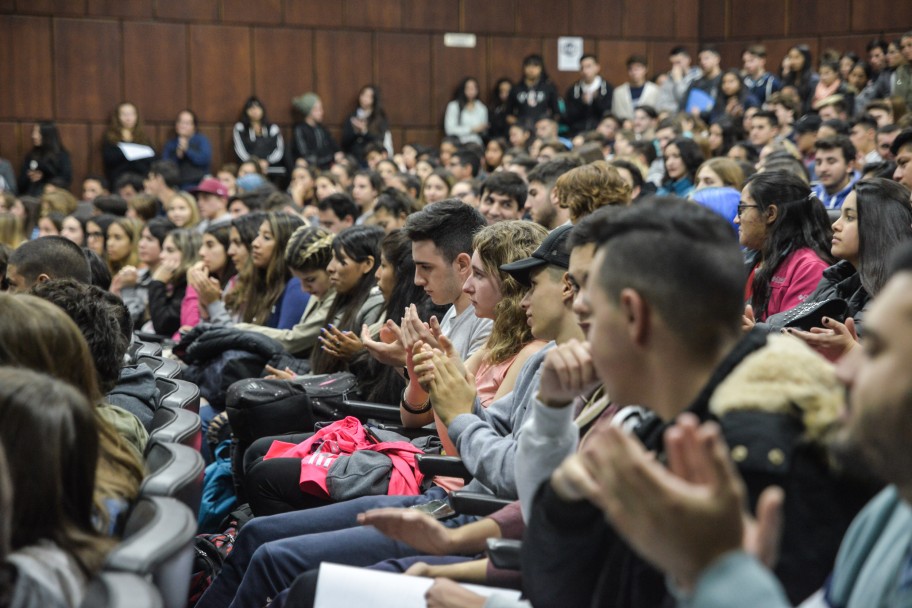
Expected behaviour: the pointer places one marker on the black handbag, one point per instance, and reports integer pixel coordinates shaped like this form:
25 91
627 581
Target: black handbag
811 314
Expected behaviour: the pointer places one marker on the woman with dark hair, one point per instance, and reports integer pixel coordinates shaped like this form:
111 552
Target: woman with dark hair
168 286
682 158
126 147
131 283
367 124
50 224
798 73
96 232
788 230
733 97
863 83
352 270
74 227
466 116
255 136
189 149
268 294
47 160
494 153
875 218
500 98
55 548
210 279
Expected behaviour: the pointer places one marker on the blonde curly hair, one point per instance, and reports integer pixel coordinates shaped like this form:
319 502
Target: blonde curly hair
586 188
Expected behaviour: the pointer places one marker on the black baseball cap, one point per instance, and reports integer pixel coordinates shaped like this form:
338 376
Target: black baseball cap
553 251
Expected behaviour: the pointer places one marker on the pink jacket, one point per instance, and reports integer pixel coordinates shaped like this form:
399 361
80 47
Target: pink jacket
794 280
190 314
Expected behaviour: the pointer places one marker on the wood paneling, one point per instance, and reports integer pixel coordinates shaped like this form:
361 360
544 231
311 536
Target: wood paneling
184 10
9 145
87 67
505 55
818 18
75 136
26 68
877 16
435 16
343 62
427 137
648 19
597 18
283 68
687 19
213 132
244 11
313 13
7 6
52 7
757 18
482 16
542 17
712 19
404 62
613 56
372 14
121 8
221 76
96 135
160 87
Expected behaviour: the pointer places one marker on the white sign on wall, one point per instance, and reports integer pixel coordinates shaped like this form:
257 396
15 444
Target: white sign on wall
569 51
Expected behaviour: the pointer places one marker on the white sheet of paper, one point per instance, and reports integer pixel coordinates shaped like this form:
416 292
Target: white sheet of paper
135 151
347 586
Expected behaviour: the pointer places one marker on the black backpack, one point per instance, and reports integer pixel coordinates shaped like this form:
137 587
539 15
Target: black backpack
212 550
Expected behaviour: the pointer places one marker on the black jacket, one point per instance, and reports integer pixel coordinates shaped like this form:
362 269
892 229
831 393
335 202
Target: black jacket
529 103
580 116
314 144
571 556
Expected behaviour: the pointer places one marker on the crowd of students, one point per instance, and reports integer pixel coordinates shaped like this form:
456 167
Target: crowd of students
581 296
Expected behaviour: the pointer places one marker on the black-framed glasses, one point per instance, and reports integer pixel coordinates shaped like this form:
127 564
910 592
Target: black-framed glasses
742 207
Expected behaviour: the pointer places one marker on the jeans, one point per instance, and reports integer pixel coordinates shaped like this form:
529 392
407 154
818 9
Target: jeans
272 551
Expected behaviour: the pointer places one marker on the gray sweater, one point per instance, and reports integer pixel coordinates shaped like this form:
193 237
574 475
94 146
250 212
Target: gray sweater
487 439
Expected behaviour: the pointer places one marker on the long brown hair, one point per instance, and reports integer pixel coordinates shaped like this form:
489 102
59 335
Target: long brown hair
267 284
113 134
36 335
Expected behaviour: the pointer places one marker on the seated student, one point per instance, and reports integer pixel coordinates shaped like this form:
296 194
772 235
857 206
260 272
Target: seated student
337 212
131 283
45 259
242 232
182 210
168 286
121 243
55 548
541 204
503 197
392 209
788 229
210 277
435 187
494 295
486 439
875 218
271 296
584 189
108 332
27 321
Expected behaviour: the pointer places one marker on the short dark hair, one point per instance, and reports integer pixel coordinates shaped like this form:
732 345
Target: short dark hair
341 204
98 268
97 178
770 116
589 230
678 50
467 157
865 120
449 224
112 204
523 160
395 202
840 126
641 59
693 275
876 43
373 177
547 172
55 256
638 180
506 183
129 179
168 171
88 307
649 110
589 56
839 142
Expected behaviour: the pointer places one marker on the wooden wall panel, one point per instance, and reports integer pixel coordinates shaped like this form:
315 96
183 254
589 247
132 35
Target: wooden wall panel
878 16
483 16
430 15
449 66
372 14
757 17
648 18
187 10
542 17
314 13
599 18
244 11
75 137
404 62
26 68
120 8
156 71
712 19
343 63
221 75
687 15
613 56
96 165
505 55
88 67
52 7
9 145
427 137
283 68
818 18
7 6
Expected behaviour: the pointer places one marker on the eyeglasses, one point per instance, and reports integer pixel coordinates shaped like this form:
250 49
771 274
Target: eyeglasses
742 207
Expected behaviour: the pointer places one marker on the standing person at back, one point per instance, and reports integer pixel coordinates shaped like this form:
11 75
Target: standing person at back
637 91
534 96
589 99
